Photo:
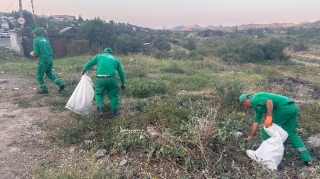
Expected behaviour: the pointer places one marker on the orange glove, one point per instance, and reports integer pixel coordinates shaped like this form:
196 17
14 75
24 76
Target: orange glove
249 138
32 54
268 121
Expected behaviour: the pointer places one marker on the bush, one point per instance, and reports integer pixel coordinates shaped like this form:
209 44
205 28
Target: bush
297 47
179 55
274 49
194 56
166 113
228 93
173 68
251 53
143 88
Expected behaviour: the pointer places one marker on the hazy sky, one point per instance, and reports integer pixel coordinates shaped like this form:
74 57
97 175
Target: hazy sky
160 14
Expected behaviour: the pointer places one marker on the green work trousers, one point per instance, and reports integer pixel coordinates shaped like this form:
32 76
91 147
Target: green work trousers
286 117
45 67
111 86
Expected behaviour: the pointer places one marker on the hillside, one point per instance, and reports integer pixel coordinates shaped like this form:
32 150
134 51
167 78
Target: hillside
177 120
195 27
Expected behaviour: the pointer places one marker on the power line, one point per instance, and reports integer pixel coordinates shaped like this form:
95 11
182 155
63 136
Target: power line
9 6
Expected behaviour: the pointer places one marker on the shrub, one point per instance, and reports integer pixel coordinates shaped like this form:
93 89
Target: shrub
297 47
194 56
173 68
165 112
143 88
228 93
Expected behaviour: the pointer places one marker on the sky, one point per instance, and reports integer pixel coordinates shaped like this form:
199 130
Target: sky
159 14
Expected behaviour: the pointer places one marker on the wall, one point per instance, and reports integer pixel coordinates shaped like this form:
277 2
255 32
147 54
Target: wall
16 43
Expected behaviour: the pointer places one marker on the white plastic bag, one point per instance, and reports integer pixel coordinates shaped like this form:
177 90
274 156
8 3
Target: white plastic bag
81 98
270 152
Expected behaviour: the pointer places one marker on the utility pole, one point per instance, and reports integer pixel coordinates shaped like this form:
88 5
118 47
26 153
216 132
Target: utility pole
21 14
32 11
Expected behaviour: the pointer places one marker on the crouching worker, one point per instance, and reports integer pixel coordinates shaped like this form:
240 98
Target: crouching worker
107 66
280 110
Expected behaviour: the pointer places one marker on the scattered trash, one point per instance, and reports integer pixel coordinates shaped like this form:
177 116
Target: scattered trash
35 134
238 134
2 72
34 88
16 88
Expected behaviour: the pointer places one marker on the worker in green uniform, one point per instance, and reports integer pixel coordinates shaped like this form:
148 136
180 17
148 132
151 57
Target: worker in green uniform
42 49
280 110
107 66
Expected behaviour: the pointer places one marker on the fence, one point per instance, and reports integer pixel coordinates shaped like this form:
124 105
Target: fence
59 46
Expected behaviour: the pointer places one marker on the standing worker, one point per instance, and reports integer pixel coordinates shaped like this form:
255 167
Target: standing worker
107 65
280 110
42 49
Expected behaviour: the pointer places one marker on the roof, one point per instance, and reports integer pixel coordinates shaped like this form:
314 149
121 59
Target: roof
66 29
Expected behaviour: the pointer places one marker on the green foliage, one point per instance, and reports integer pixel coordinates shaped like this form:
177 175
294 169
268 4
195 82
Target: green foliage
166 113
297 47
137 105
143 88
179 55
183 82
194 56
97 32
228 93
130 139
194 82
161 55
274 49
190 44
251 53
161 44
128 44
308 118
243 49
210 33
173 68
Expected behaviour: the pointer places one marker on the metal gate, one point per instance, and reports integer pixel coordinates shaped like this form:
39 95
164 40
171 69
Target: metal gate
59 47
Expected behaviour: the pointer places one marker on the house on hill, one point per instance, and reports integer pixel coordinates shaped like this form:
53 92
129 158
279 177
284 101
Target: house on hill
63 17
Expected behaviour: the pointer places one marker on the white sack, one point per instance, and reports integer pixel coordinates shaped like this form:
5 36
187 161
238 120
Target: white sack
270 152
81 98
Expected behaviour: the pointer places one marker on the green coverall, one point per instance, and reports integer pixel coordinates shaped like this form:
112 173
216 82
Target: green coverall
107 65
285 113
43 50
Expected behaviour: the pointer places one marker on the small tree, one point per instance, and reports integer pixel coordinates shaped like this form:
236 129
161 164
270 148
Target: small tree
190 45
274 49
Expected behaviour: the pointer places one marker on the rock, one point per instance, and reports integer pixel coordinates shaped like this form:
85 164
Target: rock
3 81
87 142
123 162
100 153
314 140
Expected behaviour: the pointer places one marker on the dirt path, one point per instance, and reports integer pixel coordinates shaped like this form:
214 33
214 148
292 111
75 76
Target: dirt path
25 144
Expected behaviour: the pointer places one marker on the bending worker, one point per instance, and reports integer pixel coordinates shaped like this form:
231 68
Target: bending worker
43 50
107 66
280 110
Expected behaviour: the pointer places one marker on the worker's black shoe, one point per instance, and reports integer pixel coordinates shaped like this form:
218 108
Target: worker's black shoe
115 113
62 88
100 111
42 92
